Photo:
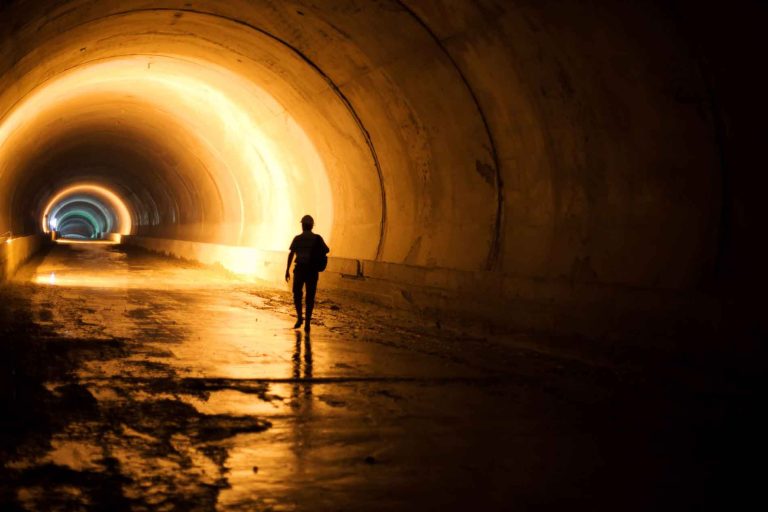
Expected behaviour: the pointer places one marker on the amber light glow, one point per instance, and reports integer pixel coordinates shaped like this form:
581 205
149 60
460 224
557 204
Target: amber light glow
259 171
99 191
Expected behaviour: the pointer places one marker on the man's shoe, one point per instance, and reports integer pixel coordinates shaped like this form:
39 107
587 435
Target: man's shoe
306 327
298 323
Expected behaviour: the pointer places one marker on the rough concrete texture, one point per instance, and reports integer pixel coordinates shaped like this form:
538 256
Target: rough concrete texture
16 251
560 167
542 141
640 316
133 382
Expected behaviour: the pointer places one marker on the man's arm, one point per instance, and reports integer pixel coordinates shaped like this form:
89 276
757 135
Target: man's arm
288 267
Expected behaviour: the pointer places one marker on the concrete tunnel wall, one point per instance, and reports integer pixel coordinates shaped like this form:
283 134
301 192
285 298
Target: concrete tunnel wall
556 146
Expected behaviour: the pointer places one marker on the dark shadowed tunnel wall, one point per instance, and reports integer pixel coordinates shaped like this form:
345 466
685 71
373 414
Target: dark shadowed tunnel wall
550 154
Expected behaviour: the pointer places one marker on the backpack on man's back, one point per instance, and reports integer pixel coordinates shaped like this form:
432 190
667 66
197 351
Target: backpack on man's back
318 259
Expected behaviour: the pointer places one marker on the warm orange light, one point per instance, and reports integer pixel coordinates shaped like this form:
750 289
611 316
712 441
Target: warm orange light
64 241
267 170
119 207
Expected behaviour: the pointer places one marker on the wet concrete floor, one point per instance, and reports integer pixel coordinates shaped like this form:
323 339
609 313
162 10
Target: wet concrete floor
136 382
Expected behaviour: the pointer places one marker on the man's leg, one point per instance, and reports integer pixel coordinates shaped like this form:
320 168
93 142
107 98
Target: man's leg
311 280
298 284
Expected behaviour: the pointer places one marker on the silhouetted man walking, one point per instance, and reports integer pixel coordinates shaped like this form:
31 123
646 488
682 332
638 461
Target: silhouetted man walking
308 248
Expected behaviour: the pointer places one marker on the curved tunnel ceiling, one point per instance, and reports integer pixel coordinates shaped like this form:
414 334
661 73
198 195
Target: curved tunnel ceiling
240 135
206 137
481 137
105 211
82 218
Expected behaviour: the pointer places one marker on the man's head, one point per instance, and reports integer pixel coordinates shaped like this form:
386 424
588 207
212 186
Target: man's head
307 223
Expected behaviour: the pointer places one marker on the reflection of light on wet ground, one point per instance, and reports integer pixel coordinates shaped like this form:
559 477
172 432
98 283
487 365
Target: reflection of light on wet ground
80 280
96 265
195 364
78 455
229 401
66 241
160 281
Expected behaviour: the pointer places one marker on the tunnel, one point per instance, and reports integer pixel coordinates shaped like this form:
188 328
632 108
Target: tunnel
581 175
86 212
217 124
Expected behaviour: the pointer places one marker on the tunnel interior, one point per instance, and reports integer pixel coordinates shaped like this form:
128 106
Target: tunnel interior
86 211
549 148
81 218
184 158
546 281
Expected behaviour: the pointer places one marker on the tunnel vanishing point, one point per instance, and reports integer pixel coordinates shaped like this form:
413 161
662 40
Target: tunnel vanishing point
569 168
585 174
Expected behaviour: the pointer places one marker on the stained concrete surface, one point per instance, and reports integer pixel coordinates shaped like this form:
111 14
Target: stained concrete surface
135 382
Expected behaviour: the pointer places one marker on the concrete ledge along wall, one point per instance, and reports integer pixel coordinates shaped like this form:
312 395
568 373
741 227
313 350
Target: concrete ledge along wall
547 306
15 253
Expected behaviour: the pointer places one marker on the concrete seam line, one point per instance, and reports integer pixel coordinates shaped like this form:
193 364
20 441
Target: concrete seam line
326 78
495 249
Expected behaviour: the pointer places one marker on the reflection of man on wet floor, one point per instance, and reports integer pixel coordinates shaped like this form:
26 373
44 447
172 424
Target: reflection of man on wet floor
305 273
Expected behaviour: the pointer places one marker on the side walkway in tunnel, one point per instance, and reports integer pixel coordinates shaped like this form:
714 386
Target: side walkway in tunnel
138 381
